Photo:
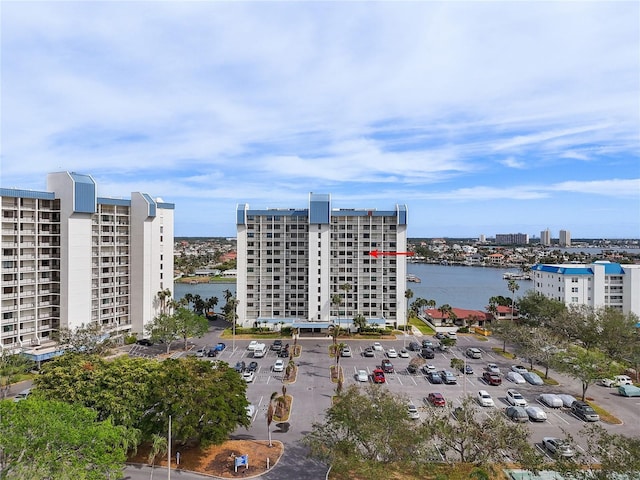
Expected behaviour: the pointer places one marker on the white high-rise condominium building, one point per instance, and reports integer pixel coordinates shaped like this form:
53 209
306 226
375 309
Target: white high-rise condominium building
599 284
545 237
71 258
311 268
565 238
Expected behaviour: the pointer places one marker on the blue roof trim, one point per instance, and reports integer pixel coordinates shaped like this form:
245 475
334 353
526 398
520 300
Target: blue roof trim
121 202
403 214
21 193
84 193
302 324
151 212
166 205
363 213
282 213
319 208
609 269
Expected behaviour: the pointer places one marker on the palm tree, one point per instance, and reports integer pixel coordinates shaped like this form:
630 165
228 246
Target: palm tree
513 286
270 412
445 310
337 300
408 294
339 348
163 296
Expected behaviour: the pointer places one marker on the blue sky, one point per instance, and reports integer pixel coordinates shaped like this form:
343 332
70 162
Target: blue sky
482 117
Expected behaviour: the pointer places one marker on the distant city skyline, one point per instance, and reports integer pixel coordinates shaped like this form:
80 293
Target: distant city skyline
482 117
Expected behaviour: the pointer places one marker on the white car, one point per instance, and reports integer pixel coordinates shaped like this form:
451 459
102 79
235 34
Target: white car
616 381
346 351
536 414
391 353
251 410
567 400
515 377
429 368
278 366
377 346
550 400
200 352
412 411
515 398
248 376
452 335
558 446
252 345
492 368
403 353
519 369
362 376
485 400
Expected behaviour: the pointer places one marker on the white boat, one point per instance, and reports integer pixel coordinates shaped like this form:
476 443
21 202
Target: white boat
516 276
413 278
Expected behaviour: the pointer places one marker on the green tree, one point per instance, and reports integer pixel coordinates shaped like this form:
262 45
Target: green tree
459 435
619 455
618 333
53 439
163 328
364 424
408 294
164 297
189 324
206 404
584 365
513 287
90 338
537 309
360 322
117 389
445 311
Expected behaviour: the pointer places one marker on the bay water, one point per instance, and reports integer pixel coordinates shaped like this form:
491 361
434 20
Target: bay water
458 286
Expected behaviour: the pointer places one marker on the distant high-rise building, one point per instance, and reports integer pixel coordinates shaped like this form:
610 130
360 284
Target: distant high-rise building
512 238
311 268
71 258
545 237
565 238
482 239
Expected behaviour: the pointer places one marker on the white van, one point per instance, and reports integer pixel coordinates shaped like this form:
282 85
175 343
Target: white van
260 350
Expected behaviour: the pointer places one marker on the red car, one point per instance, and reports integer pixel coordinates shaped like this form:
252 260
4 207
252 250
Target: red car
378 376
436 399
492 378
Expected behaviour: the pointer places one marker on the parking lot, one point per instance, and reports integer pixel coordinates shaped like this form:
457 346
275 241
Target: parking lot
313 389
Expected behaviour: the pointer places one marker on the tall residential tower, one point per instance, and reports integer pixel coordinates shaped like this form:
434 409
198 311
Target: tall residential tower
70 258
313 267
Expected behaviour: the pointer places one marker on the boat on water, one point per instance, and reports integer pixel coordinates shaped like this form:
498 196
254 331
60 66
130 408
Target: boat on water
516 276
413 278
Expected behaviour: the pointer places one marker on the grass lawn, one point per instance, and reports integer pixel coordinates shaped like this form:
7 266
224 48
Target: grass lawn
420 325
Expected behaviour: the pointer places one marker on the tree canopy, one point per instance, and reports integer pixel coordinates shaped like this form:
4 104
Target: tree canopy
54 439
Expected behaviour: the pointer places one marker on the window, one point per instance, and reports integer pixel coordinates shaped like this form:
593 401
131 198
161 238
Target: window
574 289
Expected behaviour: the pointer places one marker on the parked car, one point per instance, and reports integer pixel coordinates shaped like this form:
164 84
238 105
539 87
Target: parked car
240 366
473 352
368 352
452 335
248 376
517 414
434 377
22 395
386 365
584 411
484 399
201 352
536 414
467 369
212 352
220 346
515 398
443 348
557 446
145 342
251 410
519 369
284 351
515 377
362 376
276 346
346 351
448 377
440 335
492 378
616 381
492 368
278 366
533 378
550 400
391 353
403 353
252 345
253 366
412 369
378 376
377 346
567 400
436 399
629 391
427 353
414 347
429 368
412 411
427 343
